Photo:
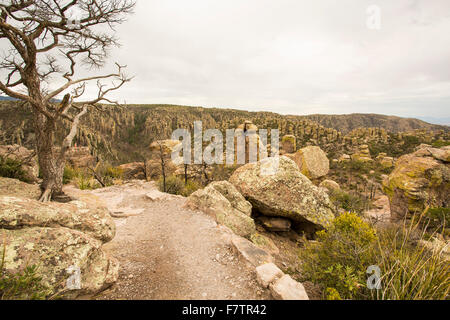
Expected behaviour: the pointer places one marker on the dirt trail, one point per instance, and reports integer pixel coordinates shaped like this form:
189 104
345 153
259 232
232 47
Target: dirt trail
168 252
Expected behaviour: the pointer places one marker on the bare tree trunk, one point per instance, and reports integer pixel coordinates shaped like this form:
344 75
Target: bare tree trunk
185 174
51 161
50 165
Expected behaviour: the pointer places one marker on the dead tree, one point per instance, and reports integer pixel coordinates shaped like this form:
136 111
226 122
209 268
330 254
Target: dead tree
163 163
49 40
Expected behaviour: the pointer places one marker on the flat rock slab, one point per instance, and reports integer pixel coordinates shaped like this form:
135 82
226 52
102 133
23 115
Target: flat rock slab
267 274
155 195
287 288
275 224
250 252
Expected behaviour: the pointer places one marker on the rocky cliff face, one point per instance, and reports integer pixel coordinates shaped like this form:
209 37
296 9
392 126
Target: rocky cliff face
419 180
122 135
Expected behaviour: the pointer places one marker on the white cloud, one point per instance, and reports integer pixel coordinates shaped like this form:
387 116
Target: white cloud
290 56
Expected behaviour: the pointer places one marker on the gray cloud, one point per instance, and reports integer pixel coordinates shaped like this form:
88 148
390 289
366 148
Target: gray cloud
290 56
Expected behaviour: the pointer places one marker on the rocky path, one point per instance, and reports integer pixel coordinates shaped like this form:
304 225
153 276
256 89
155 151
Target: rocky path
168 252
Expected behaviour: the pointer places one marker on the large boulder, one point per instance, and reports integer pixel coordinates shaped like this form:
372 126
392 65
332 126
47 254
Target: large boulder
57 252
385 161
58 239
284 193
312 162
222 201
20 212
330 185
26 158
419 180
236 199
14 187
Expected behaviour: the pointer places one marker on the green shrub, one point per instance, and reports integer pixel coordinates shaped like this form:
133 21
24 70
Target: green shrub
440 144
108 173
25 285
409 271
190 188
10 168
332 294
176 185
341 256
339 260
69 174
173 185
352 202
436 220
86 182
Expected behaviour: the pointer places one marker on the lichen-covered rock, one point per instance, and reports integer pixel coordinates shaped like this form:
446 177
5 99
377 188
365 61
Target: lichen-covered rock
56 237
442 154
288 144
267 274
27 159
228 208
387 162
275 187
236 199
16 188
330 185
264 243
418 180
253 254
19 213
287 288
362 154
344 158
312 162
54 251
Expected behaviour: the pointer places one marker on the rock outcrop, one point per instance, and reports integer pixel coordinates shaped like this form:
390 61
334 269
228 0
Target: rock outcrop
419 180
59 239
385 161
26 158
248 146
133 171
312 162
222 201
344 158
80 157
275 187
275 224
330 185
288 144
362 154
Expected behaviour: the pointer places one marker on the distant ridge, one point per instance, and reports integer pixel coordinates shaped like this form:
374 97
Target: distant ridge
6 98
348 122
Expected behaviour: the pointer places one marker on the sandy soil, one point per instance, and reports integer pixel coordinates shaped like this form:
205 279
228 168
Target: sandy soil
168 252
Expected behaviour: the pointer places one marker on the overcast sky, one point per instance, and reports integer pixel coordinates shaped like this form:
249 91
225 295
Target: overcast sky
290 56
